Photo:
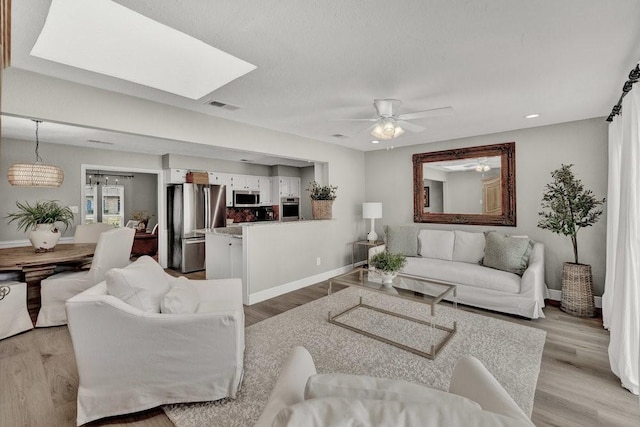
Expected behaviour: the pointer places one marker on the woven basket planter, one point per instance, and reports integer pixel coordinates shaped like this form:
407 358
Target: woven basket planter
577 290
321 209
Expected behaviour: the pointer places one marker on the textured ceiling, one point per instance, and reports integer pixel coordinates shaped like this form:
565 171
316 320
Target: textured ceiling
493 61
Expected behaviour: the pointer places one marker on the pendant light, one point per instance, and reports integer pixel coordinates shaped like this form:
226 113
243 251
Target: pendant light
35 174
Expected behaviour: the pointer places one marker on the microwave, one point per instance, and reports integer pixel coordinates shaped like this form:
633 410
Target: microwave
246 199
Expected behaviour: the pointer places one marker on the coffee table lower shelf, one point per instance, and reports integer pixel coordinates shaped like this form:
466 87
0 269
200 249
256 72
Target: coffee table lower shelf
435 348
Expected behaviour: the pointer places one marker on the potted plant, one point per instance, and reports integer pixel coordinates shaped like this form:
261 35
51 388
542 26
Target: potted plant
388 264
42 219
567 208
322 197
143 217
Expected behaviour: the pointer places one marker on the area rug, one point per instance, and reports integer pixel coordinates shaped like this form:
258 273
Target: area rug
510 351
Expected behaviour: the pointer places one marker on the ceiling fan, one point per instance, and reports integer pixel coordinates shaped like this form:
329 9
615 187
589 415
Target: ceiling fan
389 125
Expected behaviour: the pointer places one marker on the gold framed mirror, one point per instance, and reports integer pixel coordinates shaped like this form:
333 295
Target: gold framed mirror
473 185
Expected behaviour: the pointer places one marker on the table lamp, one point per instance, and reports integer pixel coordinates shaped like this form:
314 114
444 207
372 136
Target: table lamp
372 210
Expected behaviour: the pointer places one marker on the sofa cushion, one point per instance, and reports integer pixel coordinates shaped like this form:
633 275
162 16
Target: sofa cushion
366 387
334 412
507 253
474 275
468 247
402 239
141 284
182 298
436 244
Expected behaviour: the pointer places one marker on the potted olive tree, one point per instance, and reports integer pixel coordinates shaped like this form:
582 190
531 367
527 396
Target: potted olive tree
42 219
568 208
388 264
322 197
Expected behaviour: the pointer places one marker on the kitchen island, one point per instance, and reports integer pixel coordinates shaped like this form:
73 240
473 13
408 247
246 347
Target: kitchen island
273 258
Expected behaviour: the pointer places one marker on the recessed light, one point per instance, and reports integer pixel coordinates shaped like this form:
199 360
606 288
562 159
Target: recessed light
375 141
532 116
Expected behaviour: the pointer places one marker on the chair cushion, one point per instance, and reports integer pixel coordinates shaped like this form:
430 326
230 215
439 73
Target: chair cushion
365 387
142 284
182 298
468 247
402 239
507 253
436 244
334 412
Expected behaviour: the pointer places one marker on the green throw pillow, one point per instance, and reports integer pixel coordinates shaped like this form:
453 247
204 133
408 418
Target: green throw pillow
507 253
402 239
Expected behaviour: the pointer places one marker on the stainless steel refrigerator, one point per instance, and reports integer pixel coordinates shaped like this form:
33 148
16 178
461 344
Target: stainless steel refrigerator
191 207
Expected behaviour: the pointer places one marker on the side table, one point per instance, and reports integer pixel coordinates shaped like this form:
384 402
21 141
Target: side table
364 243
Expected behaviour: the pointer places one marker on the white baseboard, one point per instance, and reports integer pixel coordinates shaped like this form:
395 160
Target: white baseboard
26 242
556 295
295 285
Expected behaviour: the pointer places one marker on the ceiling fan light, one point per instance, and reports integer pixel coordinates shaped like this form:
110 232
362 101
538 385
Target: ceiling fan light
378 132
398 131
479 168
389 128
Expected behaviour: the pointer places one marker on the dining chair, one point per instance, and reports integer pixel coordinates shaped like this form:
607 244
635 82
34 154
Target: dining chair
89 233
112 251
14 317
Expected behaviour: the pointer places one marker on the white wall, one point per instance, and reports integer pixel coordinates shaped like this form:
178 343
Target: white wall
538 152
32 95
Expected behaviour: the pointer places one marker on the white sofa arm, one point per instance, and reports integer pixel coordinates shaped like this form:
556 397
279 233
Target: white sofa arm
532 282
472 380
289 388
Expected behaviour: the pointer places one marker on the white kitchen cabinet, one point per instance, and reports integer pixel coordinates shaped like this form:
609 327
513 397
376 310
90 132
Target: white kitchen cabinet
288 186
175 176
246 182
219 178
265 191
224 256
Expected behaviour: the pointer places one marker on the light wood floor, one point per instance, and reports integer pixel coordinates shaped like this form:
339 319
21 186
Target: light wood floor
38 378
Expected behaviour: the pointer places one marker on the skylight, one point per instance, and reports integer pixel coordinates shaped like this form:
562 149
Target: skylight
107 38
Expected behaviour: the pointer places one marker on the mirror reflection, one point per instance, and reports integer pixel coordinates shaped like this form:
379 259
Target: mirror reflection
469 185
463 186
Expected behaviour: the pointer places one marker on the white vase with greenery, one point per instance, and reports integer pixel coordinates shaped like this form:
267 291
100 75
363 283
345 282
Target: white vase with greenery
42 219
388 265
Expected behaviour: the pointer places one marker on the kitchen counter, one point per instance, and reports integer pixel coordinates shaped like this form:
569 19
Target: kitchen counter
236 229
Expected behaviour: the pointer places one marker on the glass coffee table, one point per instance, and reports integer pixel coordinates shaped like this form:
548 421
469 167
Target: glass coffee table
425 291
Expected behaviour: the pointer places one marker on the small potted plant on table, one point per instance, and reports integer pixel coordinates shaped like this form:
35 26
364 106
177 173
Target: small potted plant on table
41 219
388 264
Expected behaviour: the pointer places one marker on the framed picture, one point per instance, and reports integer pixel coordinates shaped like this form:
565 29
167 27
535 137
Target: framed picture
426 197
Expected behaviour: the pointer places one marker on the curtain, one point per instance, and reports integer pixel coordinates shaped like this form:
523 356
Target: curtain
621 298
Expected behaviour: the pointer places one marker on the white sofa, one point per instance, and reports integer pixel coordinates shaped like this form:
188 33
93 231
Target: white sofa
454 256
300 397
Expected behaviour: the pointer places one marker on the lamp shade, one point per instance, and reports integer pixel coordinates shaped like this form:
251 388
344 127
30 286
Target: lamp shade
35 175
372 210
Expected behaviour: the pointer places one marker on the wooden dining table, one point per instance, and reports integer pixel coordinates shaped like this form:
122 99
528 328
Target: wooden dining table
34 267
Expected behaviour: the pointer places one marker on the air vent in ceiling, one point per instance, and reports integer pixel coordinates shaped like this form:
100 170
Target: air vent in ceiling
223 105
338 135
95 141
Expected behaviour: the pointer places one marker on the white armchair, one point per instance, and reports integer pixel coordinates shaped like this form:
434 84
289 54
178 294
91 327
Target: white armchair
112 251
131 360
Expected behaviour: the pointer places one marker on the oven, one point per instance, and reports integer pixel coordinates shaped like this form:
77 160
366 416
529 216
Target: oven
290 209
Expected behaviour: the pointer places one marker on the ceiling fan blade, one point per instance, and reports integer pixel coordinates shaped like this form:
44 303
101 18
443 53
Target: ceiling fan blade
410 126
353 120
436 112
